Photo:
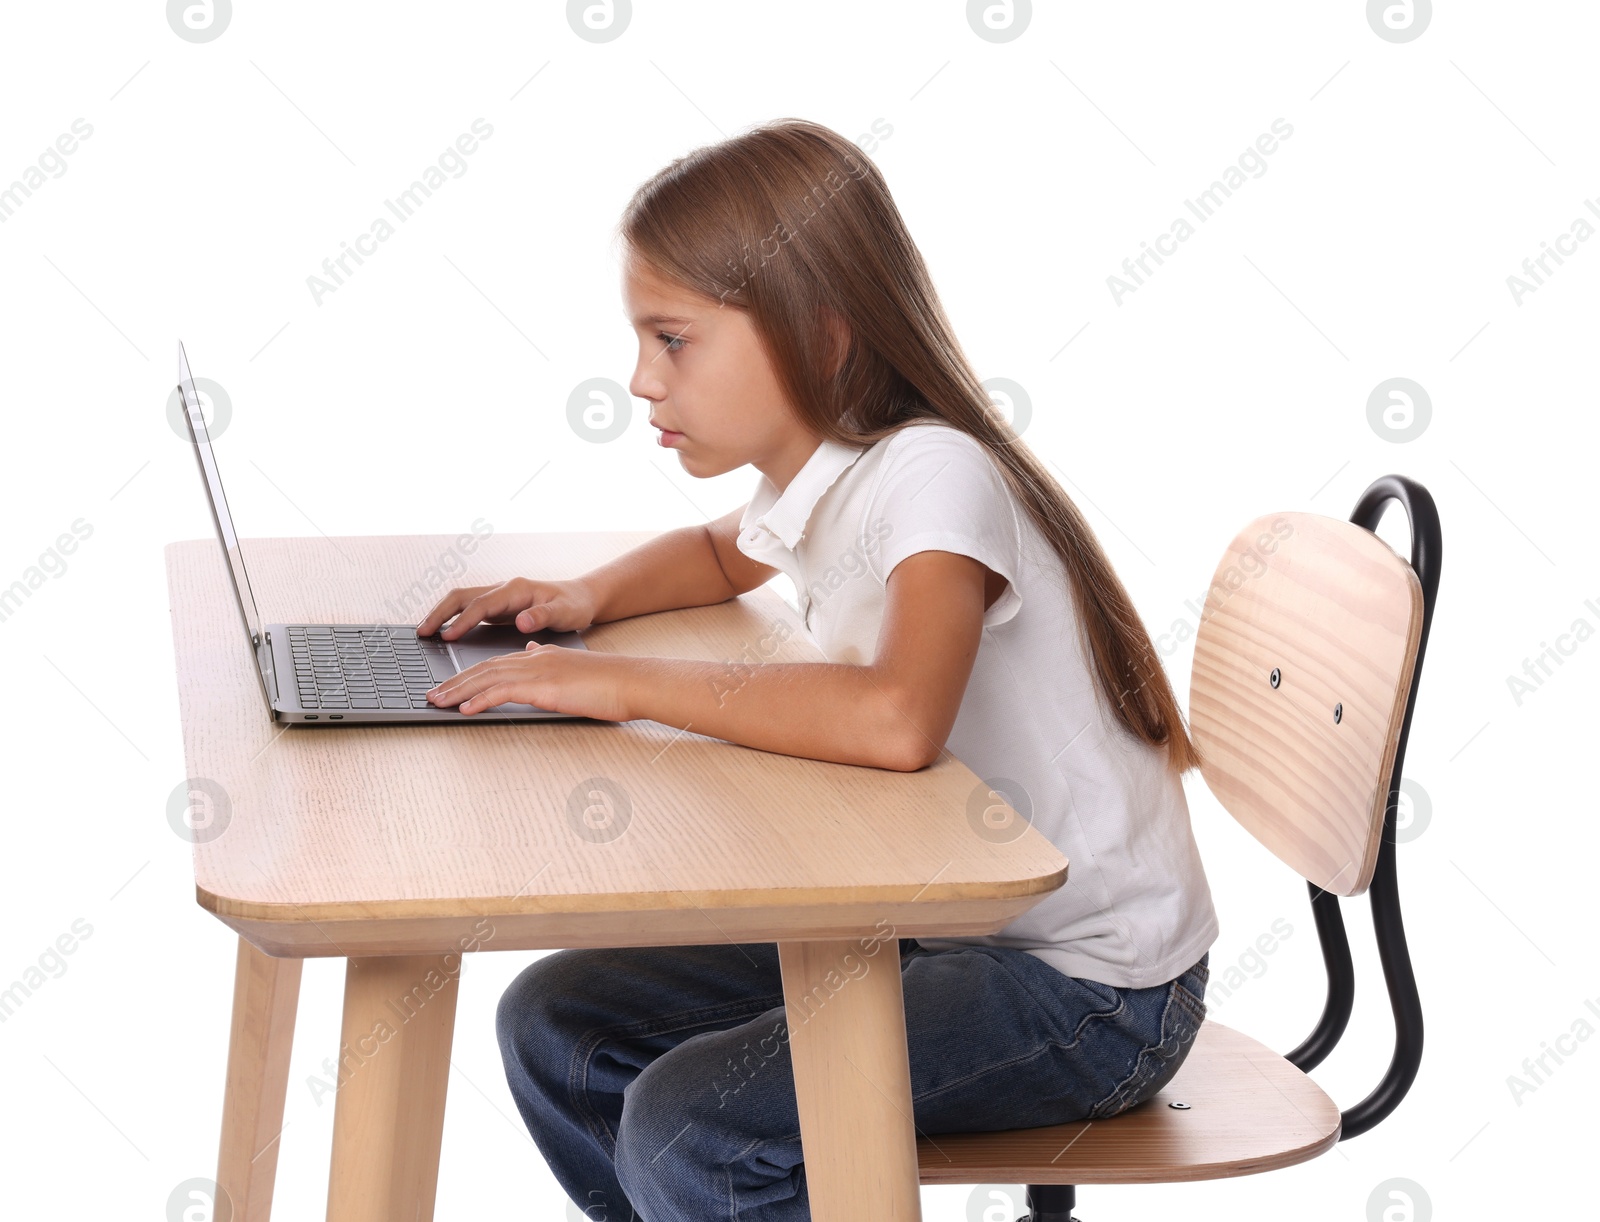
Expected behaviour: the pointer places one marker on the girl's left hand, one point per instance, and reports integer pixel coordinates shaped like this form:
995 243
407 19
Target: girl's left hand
546 676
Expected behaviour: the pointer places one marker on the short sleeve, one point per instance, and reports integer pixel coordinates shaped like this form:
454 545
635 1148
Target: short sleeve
939 490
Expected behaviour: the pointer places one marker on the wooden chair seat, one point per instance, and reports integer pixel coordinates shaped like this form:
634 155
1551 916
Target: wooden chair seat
1249 1110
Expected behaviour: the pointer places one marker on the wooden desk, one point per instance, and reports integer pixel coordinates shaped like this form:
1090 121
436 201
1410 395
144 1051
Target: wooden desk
397 846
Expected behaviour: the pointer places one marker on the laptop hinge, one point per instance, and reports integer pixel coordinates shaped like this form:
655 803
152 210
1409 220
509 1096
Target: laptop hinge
269 670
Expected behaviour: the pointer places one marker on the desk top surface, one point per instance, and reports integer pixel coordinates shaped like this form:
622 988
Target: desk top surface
363 823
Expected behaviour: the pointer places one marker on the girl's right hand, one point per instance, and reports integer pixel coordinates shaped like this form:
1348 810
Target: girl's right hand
531 605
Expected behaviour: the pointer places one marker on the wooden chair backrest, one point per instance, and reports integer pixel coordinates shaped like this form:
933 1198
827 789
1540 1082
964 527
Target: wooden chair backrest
1330 608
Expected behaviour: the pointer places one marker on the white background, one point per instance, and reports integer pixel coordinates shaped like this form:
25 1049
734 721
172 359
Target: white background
1234 382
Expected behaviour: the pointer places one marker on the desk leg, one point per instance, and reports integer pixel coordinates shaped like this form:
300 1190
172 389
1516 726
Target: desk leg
847 1042
265 991
394 1064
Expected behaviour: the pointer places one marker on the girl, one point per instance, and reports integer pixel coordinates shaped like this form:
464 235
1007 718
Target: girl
786 321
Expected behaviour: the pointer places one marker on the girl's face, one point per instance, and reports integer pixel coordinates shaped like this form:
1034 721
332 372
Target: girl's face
711 388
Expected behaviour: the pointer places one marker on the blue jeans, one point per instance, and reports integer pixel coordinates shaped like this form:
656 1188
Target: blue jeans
656 1082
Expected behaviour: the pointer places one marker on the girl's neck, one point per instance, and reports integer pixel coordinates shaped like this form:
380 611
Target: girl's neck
783 464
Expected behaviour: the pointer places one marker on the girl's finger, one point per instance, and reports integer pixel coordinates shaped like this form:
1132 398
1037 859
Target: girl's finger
489 603
478 677
487 698
457 685
442 610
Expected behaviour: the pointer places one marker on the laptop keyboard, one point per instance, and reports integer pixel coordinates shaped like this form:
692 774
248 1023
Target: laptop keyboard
360 668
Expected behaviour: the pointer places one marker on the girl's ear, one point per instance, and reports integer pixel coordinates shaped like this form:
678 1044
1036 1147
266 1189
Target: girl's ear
839 339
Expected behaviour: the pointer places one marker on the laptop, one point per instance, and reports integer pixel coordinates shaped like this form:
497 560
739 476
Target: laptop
351 674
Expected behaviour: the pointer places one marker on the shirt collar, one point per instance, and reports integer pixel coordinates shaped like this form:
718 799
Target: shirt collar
786 515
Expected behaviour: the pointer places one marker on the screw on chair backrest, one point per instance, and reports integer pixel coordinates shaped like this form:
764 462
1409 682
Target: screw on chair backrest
1302 666
1306 666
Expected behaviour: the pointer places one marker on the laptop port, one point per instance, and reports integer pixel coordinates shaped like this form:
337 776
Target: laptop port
311 716
335 716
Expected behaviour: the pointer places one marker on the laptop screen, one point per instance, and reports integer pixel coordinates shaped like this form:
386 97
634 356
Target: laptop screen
194 415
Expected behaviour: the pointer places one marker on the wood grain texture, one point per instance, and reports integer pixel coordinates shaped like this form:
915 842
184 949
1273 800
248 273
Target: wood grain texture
686 925
396 833
265 994
1339 615
1249 1111
394 1065
852 1079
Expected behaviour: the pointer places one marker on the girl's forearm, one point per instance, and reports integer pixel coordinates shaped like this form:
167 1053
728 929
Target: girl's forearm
820 710
678 568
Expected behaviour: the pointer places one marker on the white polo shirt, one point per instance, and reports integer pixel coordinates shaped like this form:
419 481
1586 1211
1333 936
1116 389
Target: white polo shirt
1136 908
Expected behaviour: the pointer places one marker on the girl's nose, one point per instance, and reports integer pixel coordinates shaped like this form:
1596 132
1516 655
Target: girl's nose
645 384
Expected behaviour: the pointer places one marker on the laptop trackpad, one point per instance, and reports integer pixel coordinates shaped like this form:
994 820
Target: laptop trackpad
494 640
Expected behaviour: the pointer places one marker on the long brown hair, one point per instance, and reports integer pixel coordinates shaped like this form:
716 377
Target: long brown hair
790 221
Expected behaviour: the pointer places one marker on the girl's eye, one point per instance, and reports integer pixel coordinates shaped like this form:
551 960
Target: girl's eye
670 340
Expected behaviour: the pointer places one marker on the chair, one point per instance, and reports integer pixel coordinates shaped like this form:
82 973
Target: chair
1305 674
